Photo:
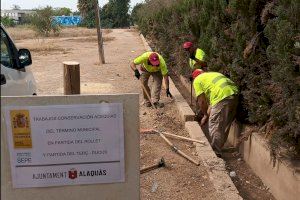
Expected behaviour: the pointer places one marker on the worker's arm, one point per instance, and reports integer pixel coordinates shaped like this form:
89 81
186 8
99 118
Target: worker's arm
133 66
202 102
136 71
137 61
200 64
166 79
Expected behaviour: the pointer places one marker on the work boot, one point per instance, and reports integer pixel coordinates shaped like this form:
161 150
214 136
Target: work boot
158 105
148 104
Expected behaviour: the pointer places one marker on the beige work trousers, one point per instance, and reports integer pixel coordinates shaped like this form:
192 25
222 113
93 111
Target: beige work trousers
156 87
220 119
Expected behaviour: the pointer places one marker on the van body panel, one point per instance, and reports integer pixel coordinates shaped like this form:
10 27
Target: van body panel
19 81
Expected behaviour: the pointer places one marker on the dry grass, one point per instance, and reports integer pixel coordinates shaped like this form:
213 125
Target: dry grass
90 39
26 32
44 47
21 33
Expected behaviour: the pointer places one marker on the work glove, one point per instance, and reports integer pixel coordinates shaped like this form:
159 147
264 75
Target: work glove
192 56
137 74
169 93
191 78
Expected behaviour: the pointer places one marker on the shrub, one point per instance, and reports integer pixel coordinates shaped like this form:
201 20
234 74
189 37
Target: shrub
255 42
43 22
7 22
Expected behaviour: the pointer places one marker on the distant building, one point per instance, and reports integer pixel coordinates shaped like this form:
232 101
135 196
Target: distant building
16 15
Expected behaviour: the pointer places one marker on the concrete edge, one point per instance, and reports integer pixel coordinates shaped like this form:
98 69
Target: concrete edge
186 113
217 173
217 170
145 43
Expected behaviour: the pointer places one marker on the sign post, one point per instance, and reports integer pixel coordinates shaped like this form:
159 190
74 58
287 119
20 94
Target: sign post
67 144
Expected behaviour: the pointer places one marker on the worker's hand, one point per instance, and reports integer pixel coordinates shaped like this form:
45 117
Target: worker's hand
137 74
204 120
168 93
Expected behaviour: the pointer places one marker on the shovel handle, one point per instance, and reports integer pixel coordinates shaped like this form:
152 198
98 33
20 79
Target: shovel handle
149 98
179 151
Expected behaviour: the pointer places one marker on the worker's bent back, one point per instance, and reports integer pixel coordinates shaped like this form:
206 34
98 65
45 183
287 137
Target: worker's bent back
215 86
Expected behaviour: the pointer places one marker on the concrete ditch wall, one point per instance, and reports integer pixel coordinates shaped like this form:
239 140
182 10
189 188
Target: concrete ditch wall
283 178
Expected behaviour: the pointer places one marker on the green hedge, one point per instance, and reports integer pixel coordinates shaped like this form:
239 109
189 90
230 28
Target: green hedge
255 42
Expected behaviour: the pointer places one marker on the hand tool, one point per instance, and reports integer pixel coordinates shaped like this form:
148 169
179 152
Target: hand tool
183 138
161 163
149 98
176 150
152 131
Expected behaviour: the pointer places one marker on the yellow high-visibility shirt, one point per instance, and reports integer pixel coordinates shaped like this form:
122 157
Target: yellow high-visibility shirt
215 86
143 60
200 56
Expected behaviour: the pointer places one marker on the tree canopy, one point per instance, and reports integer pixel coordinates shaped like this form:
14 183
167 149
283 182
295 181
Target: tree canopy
114 14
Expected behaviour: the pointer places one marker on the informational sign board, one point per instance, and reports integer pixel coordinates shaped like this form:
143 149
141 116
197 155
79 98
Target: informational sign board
65 145
70 147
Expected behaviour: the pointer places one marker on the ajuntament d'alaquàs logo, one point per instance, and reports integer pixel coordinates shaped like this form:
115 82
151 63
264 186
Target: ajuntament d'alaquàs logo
73 174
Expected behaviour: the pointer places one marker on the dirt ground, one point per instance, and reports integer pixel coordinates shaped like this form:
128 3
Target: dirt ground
180 179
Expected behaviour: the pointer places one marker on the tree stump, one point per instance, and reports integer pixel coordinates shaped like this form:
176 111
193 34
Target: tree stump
71 77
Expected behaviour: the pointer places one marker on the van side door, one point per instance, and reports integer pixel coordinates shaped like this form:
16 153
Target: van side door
14 81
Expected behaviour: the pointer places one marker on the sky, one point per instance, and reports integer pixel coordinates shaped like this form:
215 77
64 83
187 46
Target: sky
30 4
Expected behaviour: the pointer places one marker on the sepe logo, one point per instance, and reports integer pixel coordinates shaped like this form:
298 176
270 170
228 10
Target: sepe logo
72 173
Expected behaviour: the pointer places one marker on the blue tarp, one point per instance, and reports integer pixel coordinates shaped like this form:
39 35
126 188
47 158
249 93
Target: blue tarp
67 20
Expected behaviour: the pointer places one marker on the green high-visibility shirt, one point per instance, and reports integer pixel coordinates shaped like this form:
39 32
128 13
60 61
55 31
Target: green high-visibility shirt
199 55
143 60
215 86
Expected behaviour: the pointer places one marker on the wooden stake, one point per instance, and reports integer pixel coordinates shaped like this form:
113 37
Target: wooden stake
179 151
183 138
99 33
71 78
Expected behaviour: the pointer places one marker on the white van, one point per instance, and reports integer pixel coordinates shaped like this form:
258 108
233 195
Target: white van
15 79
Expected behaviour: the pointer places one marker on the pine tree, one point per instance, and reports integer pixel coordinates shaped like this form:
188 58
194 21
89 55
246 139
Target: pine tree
115 14
87 11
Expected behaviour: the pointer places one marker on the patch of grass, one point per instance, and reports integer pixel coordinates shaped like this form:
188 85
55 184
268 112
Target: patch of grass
90 39
26 32
44 47
21 32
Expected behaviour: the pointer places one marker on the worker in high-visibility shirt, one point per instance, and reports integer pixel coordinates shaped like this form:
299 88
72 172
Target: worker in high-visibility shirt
197 56
152 64
218 91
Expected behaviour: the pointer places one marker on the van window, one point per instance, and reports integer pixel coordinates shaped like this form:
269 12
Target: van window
6 59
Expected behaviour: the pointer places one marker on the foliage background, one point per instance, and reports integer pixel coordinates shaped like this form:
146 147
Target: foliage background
254 42
42 21
114 14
